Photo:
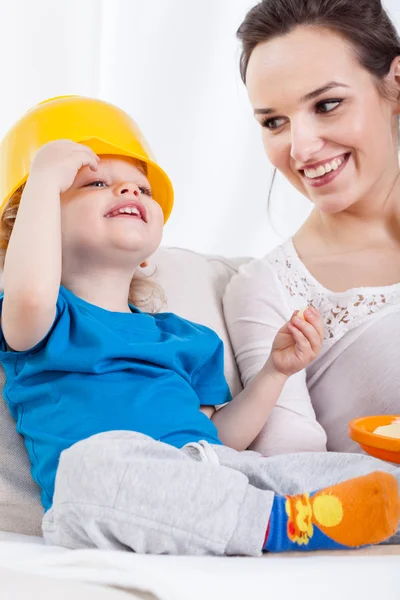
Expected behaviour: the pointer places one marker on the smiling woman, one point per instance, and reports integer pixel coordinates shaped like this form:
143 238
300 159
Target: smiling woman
323 77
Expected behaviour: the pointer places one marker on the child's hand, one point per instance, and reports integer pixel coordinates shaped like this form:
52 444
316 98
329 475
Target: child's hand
298 342
57 163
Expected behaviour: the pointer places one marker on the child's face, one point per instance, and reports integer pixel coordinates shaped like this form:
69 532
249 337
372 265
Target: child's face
110 213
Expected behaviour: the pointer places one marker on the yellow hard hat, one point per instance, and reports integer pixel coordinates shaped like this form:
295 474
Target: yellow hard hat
99 125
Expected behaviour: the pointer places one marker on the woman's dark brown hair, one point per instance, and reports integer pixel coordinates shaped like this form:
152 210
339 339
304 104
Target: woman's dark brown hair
363 23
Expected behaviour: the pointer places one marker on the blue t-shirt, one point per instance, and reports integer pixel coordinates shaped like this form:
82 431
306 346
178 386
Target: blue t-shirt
98 371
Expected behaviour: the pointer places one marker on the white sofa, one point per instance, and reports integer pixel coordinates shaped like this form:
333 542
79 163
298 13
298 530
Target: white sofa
194 286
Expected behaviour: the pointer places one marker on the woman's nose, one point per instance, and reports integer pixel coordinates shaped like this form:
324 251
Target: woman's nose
305 143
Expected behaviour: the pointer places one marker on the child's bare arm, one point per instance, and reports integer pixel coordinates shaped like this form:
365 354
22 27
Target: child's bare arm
32 269
295 346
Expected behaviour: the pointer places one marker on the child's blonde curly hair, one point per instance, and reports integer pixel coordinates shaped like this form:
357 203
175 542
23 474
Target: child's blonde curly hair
143 292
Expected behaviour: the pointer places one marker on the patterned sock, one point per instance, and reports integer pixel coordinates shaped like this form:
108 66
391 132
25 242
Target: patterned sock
355 513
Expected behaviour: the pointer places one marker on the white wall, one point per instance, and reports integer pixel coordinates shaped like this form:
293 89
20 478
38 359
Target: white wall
173 65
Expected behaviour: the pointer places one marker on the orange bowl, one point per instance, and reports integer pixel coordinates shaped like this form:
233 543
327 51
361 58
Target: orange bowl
362 431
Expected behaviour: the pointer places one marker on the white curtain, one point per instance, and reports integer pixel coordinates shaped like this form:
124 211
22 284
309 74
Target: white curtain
173 65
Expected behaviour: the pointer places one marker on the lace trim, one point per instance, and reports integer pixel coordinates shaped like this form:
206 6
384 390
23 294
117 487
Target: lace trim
341 312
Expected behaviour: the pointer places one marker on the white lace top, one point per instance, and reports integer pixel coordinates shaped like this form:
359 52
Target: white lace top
341 311
315 406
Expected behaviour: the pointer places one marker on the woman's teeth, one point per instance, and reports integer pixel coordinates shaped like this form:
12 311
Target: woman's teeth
324 169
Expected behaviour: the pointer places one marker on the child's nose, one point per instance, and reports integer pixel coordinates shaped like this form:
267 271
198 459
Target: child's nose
127 188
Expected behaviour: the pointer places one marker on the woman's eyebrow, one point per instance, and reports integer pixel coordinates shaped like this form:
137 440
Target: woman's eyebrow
310 96
321 90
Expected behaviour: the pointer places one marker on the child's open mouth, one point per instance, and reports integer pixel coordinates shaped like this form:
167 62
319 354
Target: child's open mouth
327 172
130 211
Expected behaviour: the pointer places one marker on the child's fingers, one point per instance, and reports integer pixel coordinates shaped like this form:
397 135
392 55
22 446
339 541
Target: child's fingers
89 159
309 331
313 316
93 159
301 341
93 166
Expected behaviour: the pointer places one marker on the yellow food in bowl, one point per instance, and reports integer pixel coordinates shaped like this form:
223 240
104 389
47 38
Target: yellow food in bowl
392 431
378 435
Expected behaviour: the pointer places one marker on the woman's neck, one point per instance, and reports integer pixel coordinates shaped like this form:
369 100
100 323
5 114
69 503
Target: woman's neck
370 223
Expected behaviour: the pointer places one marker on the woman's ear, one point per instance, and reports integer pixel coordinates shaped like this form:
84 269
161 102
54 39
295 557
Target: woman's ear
144 264
393 81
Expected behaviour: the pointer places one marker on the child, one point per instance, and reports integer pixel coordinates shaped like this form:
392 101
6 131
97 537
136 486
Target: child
116 406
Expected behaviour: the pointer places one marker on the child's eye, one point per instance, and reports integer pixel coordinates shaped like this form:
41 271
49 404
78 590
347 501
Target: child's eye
96 184
273 123
328 105
146 191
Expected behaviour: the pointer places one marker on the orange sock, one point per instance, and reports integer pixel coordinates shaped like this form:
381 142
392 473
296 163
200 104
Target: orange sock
360 511
357 512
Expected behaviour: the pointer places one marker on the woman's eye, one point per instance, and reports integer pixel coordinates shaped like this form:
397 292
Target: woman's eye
145 191
328 105
273 123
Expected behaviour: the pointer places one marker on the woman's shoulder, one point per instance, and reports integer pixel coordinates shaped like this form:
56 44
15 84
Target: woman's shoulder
260 286
265 271
282 256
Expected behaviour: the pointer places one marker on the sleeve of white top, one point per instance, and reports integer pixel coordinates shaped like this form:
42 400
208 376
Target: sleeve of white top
256 306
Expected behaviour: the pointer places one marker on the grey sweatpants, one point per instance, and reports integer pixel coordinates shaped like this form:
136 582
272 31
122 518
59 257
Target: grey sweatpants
124 490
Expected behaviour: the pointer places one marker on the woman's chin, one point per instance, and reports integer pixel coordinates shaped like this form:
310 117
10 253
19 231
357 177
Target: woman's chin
331 205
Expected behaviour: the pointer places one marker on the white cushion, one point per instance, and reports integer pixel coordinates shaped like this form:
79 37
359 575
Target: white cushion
22 586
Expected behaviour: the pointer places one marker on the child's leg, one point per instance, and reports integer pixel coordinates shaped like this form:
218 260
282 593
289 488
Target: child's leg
347 511
124 490
301 472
